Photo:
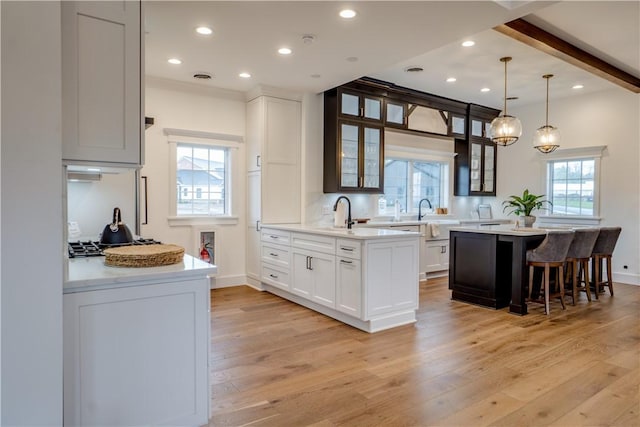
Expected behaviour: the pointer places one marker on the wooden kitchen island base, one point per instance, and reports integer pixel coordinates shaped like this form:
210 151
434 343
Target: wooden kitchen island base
487 265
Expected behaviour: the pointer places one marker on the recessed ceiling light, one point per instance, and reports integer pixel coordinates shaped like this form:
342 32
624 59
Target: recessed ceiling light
347 13
284 51
244 75
413 69
485 89
205 31
578 86
174 61
451 79
468 43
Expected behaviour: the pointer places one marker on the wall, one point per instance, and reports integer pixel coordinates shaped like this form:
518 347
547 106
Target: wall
31 214
608 118
198 108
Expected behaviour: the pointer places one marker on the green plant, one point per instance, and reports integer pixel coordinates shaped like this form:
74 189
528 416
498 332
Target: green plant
523 205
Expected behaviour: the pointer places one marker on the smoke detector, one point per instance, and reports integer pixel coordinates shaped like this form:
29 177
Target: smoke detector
308 39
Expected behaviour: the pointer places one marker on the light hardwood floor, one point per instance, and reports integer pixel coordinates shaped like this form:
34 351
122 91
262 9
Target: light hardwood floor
275 363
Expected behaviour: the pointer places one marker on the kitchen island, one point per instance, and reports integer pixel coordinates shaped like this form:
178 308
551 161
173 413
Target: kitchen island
136 343
488 265
365 277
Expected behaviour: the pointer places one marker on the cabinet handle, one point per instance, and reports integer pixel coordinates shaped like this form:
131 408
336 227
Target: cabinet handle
309 267
360 180
344 261
273 255
346 249
273 276
274 237
258 161
146 204
258 225
443 249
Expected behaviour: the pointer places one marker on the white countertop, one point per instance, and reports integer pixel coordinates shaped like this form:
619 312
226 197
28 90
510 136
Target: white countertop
91 273
363 233
505 229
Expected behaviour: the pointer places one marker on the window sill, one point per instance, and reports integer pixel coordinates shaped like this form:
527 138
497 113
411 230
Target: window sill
181 221
568 220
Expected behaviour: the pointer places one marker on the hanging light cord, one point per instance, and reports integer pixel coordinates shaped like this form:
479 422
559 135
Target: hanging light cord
546 120
505 86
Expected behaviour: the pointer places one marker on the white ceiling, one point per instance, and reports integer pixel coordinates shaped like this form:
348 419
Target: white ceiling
385 38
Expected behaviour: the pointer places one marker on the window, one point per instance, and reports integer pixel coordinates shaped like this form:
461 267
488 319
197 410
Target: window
573 183
571 186
201 180
409 181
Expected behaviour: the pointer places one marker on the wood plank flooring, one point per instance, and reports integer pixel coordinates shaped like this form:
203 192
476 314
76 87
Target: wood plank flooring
275 363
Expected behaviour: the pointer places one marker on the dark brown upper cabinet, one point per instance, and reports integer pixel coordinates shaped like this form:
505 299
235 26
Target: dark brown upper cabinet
475 163
360 106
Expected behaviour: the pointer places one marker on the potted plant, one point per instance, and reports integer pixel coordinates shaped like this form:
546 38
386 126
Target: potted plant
523 205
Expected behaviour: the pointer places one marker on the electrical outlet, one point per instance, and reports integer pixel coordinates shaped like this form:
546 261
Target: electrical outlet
326 210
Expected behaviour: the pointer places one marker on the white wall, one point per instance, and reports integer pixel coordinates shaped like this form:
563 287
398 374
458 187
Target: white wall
198 108
31 214
610 118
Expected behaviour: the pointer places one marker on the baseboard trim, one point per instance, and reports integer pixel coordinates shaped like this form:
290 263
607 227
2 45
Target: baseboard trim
627 278
218 282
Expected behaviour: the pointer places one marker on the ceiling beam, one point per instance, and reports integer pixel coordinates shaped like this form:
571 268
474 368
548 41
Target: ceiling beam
540 39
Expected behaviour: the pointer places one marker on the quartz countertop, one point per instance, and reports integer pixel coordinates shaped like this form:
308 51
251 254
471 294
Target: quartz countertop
90 273
363 233
504 229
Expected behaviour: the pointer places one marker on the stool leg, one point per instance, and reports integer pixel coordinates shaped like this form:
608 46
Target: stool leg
546 289
585 272
574 280
561 277
609 281
596 275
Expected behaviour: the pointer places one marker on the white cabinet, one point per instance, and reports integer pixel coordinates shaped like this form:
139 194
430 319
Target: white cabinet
273 163
371 284
137 355
102 61
314 276
349 277
436 256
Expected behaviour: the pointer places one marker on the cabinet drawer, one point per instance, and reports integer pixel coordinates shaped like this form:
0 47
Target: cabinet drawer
275 276
314 242
270 235
276 254
348 248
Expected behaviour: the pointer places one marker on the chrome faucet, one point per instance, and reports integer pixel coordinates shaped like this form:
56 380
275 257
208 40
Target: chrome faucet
420 208
335 207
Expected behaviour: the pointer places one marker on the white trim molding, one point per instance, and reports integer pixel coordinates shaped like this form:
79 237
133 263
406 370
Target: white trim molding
574 153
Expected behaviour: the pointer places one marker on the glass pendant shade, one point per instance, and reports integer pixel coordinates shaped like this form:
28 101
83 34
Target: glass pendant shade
547 138
505 129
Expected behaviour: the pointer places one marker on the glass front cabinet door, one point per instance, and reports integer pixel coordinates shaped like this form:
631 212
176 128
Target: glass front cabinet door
360 157
361 106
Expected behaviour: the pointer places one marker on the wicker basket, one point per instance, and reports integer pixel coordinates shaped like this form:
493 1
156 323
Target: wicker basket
143 256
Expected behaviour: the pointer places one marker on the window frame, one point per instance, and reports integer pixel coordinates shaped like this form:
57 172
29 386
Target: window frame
231 143
567 155
411 154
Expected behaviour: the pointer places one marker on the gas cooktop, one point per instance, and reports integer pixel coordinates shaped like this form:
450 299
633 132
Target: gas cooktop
89 248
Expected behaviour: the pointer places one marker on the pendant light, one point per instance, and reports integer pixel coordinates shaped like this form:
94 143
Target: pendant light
547 137
505 129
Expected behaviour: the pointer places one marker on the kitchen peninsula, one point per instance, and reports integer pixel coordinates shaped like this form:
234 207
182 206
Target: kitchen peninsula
488 264
136 343
365 277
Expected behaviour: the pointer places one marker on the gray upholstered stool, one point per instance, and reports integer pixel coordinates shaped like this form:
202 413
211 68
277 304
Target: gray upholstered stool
578 256
603 250
551 253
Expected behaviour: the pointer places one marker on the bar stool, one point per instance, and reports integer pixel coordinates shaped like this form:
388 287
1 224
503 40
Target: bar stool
603 250
578 256
551 253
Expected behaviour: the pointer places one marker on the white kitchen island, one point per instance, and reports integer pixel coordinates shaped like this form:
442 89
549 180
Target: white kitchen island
365 277
136 343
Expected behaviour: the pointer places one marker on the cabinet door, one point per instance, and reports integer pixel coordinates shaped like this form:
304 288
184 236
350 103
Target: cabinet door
437 255
372 158
124 364
253 225
488 170
395 114
475 168
361 106
323 268
302 283
255 134
349 154
101 84
349 286
458 126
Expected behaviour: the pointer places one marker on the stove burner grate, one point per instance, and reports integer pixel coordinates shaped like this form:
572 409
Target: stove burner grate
81 249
